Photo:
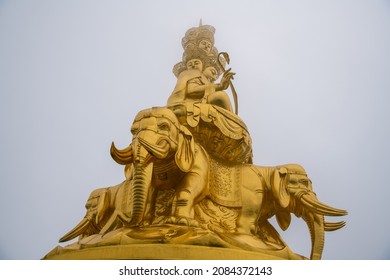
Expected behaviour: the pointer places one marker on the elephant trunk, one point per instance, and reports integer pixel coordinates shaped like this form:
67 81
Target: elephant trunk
143 169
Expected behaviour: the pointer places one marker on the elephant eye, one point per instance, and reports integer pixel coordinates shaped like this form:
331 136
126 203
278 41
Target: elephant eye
164 126
134 129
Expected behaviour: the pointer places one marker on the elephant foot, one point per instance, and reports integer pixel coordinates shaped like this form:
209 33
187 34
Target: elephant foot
184 221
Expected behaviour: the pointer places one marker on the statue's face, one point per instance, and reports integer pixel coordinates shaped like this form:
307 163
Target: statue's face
195 64
211 73
205 45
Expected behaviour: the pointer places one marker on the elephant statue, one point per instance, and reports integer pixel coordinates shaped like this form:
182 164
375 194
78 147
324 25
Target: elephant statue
163 156
250 194
167 168
106 210
274 191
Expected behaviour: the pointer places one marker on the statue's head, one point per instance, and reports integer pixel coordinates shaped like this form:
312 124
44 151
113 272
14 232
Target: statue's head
198 43
205 45
201 36
195 63
211 73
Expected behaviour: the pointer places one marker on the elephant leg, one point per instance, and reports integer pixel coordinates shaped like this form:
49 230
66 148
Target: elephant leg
191 188
254 188
258 204
150 207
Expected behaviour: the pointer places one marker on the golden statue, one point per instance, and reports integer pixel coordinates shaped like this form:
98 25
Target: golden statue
191 190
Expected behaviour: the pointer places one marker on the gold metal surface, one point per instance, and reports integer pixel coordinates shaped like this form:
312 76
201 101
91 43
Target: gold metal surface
191 190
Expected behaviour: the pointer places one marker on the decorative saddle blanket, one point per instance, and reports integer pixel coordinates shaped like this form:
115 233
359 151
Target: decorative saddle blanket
225 183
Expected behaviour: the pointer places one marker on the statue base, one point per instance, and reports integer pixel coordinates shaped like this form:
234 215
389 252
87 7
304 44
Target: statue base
169 242
157 252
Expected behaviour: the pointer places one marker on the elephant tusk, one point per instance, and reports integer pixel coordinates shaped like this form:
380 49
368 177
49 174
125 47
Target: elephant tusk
321 208
77 230
332 226
116 219
124 156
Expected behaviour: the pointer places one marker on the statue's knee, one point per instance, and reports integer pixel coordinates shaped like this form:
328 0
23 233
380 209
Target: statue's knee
220 99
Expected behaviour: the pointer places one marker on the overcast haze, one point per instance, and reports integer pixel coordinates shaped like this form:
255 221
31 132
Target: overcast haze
313 87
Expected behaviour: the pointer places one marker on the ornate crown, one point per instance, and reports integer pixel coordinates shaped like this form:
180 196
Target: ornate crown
198 42
196 34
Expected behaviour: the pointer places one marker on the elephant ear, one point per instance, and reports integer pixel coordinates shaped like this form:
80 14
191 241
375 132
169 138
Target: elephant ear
185 153
102 206
129 171
279 187
283 218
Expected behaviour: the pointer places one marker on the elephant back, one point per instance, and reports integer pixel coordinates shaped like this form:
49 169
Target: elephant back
220 132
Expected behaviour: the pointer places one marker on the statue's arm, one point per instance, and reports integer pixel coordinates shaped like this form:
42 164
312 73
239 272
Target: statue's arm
195 88
225 80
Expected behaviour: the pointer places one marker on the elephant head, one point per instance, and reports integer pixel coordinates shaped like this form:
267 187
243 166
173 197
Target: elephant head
292 191
98 208
158 139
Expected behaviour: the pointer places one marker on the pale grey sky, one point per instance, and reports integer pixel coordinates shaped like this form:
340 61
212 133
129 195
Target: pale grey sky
313 86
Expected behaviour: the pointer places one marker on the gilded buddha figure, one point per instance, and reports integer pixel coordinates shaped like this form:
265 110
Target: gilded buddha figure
199 69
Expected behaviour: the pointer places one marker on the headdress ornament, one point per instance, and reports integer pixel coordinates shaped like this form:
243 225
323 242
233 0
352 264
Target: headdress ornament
196 34
192 49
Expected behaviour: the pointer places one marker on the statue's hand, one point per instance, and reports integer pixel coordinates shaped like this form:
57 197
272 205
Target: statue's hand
225 81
